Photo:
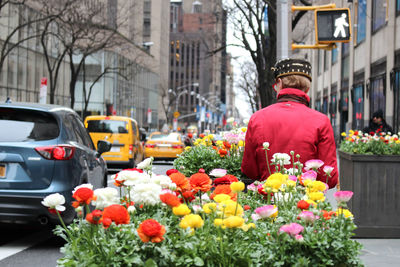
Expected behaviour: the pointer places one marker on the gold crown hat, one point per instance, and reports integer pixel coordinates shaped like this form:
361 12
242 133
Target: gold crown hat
290 66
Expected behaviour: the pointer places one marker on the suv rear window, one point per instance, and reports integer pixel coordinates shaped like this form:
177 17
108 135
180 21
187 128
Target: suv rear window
27 125
107 126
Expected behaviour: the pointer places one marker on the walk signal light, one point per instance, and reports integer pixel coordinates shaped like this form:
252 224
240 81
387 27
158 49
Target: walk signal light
332 25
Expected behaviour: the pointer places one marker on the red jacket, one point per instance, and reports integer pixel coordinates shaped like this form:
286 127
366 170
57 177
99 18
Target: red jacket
289 126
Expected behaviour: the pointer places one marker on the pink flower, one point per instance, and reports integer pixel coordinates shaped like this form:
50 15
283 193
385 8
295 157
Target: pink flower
299 238
308 216
314 164
293 178
328 169
309 175
343 196
266 211
218 173
252 187
292 229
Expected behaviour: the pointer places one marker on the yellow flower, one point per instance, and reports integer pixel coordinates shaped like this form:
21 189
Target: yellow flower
196 143
233 222
219 143
241 143
237 186
218 222
231 208
317 196
210 207
275 181
221 197
246 227
188 148
181 210
210 137
343 134
311 202
397 141
345 212
192 221
291 183
243 129
316 186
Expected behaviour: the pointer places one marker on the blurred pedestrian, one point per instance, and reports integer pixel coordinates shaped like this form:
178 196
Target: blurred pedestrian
290 125
377 124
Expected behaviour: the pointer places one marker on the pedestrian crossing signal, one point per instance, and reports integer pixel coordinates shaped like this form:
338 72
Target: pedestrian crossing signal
332 25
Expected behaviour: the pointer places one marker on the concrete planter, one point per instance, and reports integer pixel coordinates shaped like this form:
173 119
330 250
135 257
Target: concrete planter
375 181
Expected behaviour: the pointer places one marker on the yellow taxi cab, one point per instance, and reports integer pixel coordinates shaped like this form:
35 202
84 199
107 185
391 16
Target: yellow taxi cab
123 133
164 145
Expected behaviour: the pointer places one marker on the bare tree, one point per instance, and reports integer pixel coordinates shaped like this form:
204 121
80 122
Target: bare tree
247 84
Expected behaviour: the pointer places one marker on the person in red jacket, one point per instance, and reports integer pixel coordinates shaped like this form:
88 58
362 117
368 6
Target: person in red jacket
290 125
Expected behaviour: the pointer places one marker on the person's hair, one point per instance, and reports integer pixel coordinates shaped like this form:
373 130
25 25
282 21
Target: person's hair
296 81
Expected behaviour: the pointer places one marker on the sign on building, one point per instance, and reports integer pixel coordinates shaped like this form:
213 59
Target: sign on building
332 25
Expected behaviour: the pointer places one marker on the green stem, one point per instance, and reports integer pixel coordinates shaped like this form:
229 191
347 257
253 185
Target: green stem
63 225
266 155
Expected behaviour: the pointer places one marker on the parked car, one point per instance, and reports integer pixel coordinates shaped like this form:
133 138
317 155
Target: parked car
124 135
164 145
44 149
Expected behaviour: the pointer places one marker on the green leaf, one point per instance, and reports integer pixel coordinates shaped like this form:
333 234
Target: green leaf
150 263
198 261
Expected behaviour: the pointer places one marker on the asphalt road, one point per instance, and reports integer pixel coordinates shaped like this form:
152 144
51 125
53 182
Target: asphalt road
36 245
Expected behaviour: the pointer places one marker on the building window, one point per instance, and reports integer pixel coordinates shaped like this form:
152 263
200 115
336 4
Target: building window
335 55
377 91
146 27
397 7
362 20
318 105
378 14
332 109
325 102
358 106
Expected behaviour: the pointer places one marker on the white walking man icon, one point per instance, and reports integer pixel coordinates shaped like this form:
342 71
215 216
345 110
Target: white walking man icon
340 23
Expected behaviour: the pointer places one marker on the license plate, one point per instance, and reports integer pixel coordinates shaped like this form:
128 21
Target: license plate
115 149
164 145
2 171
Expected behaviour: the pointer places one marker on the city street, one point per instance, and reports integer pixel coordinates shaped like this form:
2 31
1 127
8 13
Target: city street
35 245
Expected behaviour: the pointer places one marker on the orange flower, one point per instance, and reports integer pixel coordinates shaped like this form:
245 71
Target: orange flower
188 196
227 145
116 213
151 230
328 214
170 199
200 181
94 217
83 196
223 189
182 183
222 153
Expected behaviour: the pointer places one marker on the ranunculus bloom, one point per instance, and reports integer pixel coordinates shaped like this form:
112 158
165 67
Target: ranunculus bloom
181 210
308 216
218 173
328 214
192 221
221 197
345 212
200 181
105 197
246 207
309 175
292 229
227 145
237 186
83 195
54 201
170 199
343 196
223 189
233 222
317 196
328 169
94 217
303 205
230 208
266 211
116 213
313 164
209 207
145 163
182 183
171 171
188 196
222 153
151 230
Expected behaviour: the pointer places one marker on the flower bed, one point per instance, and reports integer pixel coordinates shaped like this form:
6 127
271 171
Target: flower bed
175 220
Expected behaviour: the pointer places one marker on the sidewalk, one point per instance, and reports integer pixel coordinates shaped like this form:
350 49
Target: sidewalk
376 252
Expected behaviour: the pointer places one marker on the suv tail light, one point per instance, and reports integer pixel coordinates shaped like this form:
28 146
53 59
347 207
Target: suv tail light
131 149
150 145
177 146
60 152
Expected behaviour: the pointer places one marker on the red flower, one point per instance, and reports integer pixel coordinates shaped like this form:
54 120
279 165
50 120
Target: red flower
201 170
246 207
94 217
116 213
371 133
151 230
222 153
223 189
188 196
106 222
200 181
328 214
227 145
133 169
303 205
222 180
171 171
201 135
170 199
83 196
265 194
190 135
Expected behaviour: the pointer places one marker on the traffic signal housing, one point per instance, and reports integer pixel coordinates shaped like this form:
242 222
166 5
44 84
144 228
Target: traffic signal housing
332 25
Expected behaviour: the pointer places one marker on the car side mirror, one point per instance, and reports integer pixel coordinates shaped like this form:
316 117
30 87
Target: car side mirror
103 146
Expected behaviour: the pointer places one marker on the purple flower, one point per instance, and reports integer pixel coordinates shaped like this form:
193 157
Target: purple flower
314 164
292 229
343 196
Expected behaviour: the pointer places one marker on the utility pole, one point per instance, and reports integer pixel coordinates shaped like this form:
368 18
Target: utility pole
283 30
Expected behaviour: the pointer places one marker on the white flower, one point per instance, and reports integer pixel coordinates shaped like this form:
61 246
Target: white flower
282 196
146 194
266 145
218 173
230 120
105 197
246 121
328 170
145 163
132 177
131 209
54 201
162 180
205 197
281 158
197 208
90 186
